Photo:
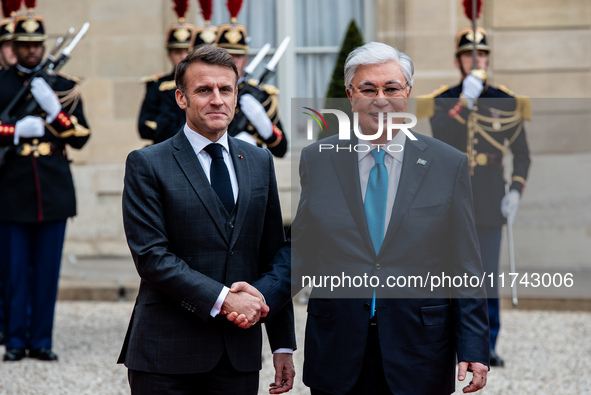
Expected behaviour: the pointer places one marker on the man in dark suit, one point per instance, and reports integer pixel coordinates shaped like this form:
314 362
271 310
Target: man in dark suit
387 208
485 122
201 212
37 193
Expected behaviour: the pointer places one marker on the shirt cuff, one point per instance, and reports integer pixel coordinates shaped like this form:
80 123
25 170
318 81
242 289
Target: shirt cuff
219 302
283 351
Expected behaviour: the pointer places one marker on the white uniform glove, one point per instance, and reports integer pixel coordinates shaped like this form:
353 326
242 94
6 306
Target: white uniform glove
509 205
29 126
471 89
256 114
46 98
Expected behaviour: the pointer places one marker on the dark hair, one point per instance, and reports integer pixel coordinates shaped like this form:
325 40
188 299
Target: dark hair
205 54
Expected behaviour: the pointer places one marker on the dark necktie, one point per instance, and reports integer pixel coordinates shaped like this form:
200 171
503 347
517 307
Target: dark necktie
376 196
219 176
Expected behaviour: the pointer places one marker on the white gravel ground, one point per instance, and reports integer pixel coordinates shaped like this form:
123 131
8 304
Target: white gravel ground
545 353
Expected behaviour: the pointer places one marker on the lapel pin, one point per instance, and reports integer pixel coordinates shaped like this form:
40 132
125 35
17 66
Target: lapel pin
421 162
240 156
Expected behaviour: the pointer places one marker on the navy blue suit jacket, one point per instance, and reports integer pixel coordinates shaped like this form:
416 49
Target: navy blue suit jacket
186 248
431 230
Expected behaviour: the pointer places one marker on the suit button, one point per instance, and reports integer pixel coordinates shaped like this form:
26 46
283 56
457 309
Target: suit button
378 266
231 252
366 306
231 225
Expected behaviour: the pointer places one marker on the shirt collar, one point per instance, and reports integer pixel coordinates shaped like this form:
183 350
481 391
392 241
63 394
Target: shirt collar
198 142
395 152
26 70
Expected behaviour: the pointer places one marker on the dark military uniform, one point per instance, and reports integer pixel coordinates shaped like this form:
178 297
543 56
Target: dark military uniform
36 197
232 38
160 116
493 127
277 143
485 133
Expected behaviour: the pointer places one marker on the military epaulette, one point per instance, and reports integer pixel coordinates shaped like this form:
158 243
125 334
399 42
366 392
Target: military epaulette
269 89
151 78
426 104
75 80
523 103
167 85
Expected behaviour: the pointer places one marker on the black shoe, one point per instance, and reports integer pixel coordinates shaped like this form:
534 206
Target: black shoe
1 337
495 360
43 354
14 354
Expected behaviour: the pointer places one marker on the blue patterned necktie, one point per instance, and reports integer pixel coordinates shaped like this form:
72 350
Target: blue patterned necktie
219 176
376 197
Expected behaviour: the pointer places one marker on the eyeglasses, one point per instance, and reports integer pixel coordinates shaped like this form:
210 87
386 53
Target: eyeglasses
391 90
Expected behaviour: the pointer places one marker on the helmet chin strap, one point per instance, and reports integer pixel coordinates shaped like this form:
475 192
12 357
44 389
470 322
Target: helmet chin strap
461 66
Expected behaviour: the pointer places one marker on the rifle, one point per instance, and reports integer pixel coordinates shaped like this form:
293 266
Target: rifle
240 121
24 103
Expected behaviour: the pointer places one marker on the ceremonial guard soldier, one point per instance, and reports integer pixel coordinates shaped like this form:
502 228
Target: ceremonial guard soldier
36 187
484 122
160 117
7 59
263 127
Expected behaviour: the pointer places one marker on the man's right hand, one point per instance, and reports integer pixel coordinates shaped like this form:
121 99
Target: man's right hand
471 89
29 126
244 305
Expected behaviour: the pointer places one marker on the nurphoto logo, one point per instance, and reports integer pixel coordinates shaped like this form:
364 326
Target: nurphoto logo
345 127
345 124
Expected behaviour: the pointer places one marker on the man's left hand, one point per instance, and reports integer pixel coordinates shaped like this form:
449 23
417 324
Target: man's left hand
284 373
509 205
479 372
46 98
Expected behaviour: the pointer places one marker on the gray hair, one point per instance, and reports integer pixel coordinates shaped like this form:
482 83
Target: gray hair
375 53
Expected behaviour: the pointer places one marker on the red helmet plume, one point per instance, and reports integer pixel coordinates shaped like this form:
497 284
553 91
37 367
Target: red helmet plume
234 7
180 8
206 9
468 8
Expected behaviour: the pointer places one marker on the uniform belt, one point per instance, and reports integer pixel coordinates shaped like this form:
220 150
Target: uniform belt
40 149
489 159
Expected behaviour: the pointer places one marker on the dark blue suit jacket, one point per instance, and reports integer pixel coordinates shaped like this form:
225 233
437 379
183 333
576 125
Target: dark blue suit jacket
431 231
186 249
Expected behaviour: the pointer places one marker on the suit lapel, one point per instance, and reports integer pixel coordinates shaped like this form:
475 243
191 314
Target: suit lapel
191 167
346 166
241 166
415 165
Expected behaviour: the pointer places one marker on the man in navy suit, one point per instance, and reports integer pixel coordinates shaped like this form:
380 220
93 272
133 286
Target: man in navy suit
201 212
368 339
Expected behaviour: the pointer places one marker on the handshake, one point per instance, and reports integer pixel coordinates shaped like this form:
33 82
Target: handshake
244 305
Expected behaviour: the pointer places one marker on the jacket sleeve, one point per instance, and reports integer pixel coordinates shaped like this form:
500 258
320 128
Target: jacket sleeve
469 303
145 229
274 283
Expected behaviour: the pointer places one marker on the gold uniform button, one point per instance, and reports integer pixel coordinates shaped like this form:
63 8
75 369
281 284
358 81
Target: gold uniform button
475 141
481 159
35 141
44 149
